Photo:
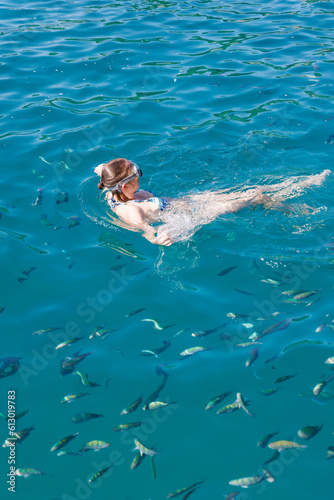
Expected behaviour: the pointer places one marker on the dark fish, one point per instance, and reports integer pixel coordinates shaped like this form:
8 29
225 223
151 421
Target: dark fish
9 366
284 378
137 311
17 415
39 198
132 407
117 267
184 490
273 457
63 442
232 495
242 291
19 436
207 332
67 365
281 325
154 472
44 220
330 138
79 418
62 197
137 460
253 356
21 280
217 399
126 427
141 271
52 329
73 221
156 351
2 309
99 474
101 331
28 271
155 394
309 431
265 440
269 392
226 271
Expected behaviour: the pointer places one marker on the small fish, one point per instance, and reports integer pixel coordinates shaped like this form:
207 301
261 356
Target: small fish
246 482
156 351
101 331
243 291
269 392
283 445
273 457
28 471
39 198
2 309
309 431
283 378
265 440
320 328
9 366
292 292
68 452
71 397
28 271
319 387
271 281
98 474
281 325
232 495
63 442
73 221
62 197
330 452
233 315
17 415
229 408
242 404
184 490
253 356
247 344
95 446
79 418
52 329
155 324
194 350
44 220
137 460
155 405
330 361
143 450
216 400
137 311
67 365
305 295
18 436
132 407
126 427
207 332
226 271
85 381
67 342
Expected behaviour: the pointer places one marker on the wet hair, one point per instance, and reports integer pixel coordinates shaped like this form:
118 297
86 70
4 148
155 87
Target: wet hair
113 172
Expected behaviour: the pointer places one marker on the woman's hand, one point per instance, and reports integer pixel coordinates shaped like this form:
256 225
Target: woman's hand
163 238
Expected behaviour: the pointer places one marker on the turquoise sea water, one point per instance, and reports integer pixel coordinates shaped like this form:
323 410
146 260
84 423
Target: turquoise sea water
203 95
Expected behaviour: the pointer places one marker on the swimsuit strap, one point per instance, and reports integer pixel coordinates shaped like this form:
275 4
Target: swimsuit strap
161 202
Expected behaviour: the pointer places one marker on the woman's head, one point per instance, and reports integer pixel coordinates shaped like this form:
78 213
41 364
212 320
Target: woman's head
114 172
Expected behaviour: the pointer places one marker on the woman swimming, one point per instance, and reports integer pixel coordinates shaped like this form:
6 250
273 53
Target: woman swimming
139 208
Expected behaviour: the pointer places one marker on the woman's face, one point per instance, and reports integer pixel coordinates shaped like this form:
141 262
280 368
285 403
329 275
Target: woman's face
131 187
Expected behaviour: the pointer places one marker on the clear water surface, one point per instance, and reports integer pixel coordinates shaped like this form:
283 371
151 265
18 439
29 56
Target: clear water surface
203 95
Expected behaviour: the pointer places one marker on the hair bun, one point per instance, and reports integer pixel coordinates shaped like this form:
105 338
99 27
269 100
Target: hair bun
100 185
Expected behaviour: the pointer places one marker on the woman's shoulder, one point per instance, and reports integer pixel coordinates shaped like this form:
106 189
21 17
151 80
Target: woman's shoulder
141 194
